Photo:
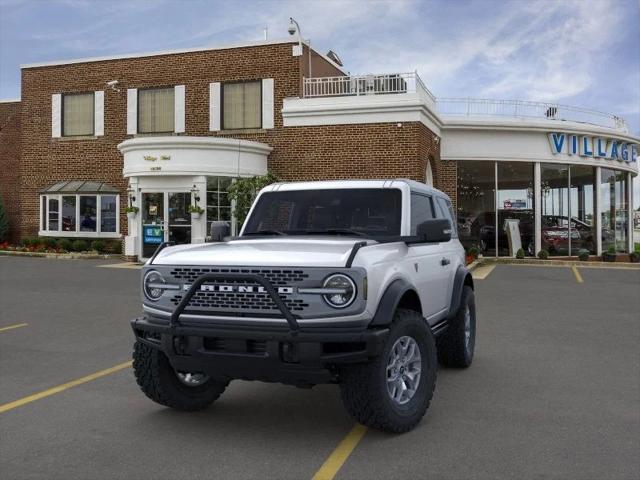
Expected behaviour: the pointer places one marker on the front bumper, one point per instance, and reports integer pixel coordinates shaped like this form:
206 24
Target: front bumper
301 357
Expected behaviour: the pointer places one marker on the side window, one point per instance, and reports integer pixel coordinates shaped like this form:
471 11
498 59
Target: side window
421 210
447 212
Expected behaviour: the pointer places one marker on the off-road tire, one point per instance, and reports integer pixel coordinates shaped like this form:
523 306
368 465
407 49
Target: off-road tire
453 350
363 387
158 380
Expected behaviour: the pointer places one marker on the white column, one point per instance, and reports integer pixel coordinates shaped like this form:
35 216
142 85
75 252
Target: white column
199 226
598 212
630 212
132 245
537 195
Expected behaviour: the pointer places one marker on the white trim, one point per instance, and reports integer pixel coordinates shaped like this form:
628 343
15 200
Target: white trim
157 53
77 233
217 143
214 107
537 199
598 212
132 111
178 108
630 214
98 113
56 115
62 234
268 119
10 100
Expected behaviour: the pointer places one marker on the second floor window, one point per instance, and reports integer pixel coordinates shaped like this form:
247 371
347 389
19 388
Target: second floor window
77 114
242 105
156 110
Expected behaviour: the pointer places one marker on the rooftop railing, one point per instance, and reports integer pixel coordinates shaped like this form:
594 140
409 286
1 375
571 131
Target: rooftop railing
399 83
356 85
478 107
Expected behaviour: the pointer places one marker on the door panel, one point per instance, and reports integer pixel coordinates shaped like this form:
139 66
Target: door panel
153 222
179 217
430 276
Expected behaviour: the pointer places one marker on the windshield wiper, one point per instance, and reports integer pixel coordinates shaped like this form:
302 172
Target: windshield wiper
337 231
265 232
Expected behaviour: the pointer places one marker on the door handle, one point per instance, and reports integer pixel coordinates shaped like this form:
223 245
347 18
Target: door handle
444 262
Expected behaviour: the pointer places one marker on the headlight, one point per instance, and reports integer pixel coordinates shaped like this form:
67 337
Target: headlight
153 285
340 290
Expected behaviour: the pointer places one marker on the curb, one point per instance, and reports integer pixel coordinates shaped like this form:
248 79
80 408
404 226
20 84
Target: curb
557 263
63 256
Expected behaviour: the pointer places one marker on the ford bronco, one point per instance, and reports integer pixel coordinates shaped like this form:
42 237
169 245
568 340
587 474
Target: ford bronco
359 283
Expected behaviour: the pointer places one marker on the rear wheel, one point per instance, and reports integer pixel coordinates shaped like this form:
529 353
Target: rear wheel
161 383
456 346
392 393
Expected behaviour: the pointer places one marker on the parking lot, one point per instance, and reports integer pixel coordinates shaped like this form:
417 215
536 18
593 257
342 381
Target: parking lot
554 391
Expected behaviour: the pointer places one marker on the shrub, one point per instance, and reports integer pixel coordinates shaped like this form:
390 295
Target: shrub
26 242
611 250
48 242
114 246
634 257
98 245
543 254
520 253
65 244
474 252
79 246
4 223
583 254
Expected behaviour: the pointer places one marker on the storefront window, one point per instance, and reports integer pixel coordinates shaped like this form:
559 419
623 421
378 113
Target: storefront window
77 215
54 213
477 205
108 213
614 210
582 205
554 197
218 203
69 213
516 227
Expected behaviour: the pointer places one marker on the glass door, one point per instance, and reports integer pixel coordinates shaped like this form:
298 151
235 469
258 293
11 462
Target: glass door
153 222
179 230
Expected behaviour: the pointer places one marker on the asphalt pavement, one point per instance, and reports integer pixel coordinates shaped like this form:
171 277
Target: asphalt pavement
554 390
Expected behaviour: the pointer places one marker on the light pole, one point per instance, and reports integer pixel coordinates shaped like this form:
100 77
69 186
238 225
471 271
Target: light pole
293 28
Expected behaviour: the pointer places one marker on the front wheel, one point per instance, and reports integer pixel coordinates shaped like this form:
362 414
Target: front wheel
162 384
392 392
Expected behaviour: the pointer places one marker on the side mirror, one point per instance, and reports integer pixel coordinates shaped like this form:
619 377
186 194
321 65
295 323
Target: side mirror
220 230
435 231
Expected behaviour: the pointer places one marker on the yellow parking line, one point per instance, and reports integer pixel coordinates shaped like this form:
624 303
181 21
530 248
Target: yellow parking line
11 327
576 273
337 458
60 388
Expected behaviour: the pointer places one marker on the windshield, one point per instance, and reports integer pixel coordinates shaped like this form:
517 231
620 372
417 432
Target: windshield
367 212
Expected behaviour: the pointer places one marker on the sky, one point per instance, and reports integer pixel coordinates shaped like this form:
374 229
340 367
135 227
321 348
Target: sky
576 52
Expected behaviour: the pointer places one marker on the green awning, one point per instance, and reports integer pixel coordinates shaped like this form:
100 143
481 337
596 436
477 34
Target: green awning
80 186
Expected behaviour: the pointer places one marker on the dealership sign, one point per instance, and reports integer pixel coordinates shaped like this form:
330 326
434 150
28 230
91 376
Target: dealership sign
597 147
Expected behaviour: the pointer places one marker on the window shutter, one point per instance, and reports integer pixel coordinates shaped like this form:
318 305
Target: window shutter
56 115
178 110
267 103
132 111
214 107
98 112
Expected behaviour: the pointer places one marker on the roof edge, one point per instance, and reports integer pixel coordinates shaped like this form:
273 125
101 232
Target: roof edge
10 100
157 53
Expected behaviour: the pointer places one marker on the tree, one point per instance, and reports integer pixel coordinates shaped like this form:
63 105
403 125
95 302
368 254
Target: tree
243 192
4 223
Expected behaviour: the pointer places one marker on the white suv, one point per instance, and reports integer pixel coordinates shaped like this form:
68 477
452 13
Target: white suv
360 283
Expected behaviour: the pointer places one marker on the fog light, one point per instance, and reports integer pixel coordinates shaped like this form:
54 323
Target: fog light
341 291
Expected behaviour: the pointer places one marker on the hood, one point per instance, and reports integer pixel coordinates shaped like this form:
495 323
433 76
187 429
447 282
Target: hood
278 251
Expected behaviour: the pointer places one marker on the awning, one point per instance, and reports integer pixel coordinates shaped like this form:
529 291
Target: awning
80 186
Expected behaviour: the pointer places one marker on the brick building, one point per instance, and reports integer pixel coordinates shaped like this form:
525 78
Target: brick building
162 131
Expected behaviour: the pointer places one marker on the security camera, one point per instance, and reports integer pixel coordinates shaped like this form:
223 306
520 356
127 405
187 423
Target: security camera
112 83
292 27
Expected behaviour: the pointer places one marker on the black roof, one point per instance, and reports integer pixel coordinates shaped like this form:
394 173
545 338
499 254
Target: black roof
80 186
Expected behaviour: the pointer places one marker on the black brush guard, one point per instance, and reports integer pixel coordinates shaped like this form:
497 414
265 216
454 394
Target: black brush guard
174 321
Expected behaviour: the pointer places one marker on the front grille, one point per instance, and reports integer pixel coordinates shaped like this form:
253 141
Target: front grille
239 301
278 277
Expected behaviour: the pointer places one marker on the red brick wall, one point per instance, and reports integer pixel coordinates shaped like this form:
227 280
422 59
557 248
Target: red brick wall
299 153
10 163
